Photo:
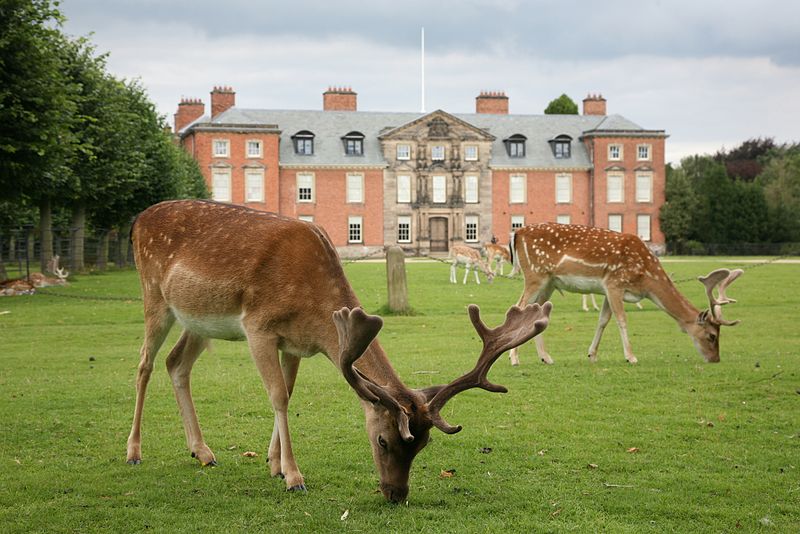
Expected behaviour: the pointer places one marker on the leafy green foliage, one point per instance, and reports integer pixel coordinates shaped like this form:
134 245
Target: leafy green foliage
715 445
563 105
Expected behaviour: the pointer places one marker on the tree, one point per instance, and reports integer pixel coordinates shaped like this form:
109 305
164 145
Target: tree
780 181
679 209
563 105
37 109
746 160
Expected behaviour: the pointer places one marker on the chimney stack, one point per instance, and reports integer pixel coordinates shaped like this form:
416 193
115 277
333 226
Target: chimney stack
189 110
495 102
339 99
222 99
594 105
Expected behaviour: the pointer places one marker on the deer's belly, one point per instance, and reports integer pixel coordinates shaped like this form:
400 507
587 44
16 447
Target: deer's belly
228 327
579 284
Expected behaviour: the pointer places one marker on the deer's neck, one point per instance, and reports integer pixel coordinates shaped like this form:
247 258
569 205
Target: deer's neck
666 296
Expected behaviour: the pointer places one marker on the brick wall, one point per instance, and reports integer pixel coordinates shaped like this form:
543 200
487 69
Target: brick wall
339 99
330 208
200 145
628 166
495 102
540 202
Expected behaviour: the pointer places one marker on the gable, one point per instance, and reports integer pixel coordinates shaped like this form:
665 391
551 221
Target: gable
437 125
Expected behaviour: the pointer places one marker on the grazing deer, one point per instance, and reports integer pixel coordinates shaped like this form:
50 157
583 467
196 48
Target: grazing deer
229 272
470 258
582 259
499 254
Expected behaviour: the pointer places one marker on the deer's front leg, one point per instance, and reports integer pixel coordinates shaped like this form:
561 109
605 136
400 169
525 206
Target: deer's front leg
614 299
264 349
605 316
289 365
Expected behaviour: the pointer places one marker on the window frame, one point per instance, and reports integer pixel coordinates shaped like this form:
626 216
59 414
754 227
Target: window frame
436 148
469 178
518 142
524 188
403 220
621 176
353 144
399 199
648 198
472 220
352 222
443 188
648 156
259 174
520 220
306 218
563 219
312 188
408 152
307 139
642 217
568 177
215 143
467 148
618 216
619 154
349 199
226 172
259 143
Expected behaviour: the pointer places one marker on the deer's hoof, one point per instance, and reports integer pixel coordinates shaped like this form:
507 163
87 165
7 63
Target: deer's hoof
298 488
212 463
134 461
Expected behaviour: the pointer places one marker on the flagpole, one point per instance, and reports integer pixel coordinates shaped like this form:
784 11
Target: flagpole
422 36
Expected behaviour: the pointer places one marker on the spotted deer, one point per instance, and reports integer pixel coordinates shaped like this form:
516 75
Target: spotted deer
582 259
228 272
470 259
499 255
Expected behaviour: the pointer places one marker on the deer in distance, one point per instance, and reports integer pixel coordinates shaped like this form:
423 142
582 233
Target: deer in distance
583 259
470 259
499 255
229 272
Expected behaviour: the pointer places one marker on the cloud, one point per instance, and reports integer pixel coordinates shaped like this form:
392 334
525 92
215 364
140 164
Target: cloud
709 73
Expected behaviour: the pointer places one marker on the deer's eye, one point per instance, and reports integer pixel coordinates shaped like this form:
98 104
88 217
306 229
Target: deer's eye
382 442
712 337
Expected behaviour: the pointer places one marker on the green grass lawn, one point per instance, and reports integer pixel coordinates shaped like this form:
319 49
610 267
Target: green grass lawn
670 445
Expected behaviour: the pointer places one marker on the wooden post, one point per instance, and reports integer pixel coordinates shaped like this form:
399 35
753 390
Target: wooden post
396 280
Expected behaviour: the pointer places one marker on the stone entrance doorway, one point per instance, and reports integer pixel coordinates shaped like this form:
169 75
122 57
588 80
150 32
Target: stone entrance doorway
438 226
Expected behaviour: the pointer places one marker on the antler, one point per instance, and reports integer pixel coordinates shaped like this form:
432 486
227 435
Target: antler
356 331
61 273
520 326
722 278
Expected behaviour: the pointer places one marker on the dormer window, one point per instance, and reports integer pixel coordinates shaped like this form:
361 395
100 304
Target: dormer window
515 146
354 144
561 146
303 143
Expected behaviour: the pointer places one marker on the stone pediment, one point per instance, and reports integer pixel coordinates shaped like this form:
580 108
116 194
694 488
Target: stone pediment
437 125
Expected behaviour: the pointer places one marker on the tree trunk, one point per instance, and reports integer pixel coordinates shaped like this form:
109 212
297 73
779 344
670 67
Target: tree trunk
12 245
30 247
46 229
102 249
77 238
3 273
123 236
396 280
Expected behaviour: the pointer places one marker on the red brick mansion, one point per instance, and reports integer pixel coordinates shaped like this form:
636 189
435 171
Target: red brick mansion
425 181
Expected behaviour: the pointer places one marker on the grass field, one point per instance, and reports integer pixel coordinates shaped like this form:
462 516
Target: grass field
670 445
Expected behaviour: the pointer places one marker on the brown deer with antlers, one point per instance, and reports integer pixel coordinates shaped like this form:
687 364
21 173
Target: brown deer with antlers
582 259
229 272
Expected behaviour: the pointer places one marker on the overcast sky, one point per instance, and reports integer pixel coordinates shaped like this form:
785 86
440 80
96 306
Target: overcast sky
712 73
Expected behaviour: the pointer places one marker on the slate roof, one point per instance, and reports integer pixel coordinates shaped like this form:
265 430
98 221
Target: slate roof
329 127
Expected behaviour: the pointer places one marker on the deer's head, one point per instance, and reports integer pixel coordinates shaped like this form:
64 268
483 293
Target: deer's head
399 422
706 329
